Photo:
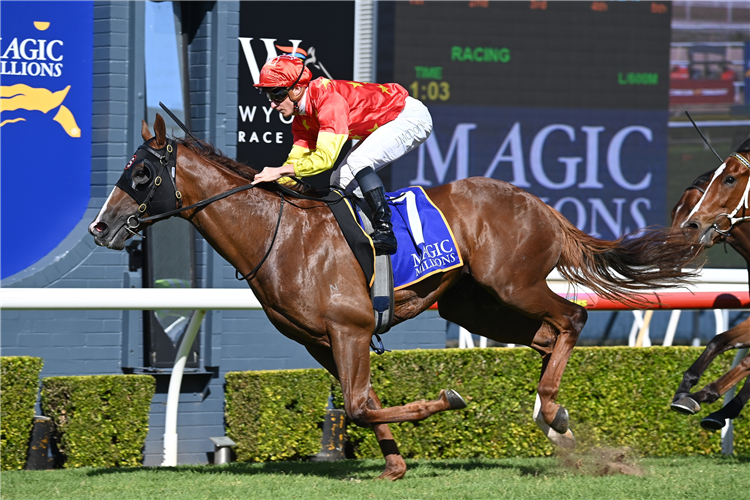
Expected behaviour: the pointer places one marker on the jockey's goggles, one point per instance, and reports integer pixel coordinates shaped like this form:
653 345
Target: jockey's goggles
279 94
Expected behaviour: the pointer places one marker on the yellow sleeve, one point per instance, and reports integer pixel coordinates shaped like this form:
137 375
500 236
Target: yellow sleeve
297 153
309 162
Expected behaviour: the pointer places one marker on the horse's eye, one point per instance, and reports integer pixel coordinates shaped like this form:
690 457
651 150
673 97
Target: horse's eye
729 180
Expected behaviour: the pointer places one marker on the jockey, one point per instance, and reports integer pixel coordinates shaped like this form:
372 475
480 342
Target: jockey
383 118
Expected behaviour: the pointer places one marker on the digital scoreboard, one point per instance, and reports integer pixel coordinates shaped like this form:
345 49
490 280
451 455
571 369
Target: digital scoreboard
540 54
566 100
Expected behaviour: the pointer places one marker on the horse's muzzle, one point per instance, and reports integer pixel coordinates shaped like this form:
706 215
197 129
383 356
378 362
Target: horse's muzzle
702 235
104 238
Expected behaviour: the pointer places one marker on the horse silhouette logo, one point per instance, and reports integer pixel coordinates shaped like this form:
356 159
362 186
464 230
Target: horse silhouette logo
21 61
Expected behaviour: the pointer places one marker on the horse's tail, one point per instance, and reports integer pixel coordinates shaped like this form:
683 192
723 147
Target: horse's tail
637 262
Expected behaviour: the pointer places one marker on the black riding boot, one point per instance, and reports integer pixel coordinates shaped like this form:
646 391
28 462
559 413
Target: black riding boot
382 236
374 193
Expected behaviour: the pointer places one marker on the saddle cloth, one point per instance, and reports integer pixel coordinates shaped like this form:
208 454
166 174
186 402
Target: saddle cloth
426 244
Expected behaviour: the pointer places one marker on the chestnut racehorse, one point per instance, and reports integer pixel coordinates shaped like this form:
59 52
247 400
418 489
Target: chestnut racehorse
705 214
312 289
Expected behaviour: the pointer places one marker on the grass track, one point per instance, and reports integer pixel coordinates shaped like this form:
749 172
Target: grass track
704 478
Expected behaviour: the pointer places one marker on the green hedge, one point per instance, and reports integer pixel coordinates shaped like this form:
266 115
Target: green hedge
276 415
18 392
100 421
616 396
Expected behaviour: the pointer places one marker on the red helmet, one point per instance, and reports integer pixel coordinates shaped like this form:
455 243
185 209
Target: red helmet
284 71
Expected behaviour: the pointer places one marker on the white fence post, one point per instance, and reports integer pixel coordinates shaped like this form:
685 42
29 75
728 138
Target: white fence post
727 432
175 382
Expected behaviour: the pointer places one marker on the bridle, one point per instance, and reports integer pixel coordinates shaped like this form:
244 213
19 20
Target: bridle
149 197
155 201
742 205
161 203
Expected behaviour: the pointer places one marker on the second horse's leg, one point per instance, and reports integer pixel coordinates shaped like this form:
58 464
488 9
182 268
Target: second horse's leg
731 410
735 338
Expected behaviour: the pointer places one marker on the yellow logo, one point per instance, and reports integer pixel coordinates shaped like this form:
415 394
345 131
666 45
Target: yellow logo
24 97
21 96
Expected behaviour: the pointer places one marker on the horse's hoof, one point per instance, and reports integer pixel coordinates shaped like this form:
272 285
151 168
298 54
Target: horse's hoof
712 423
561 420
393 473
455 400
567 440
686 405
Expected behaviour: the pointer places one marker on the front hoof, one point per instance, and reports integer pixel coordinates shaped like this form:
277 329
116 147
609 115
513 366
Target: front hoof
561 421
393 471
713 423
455 400
686 405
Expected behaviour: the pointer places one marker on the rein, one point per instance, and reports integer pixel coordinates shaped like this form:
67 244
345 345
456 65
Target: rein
167 157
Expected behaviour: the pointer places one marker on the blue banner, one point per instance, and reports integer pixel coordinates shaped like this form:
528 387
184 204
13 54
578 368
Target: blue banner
605 170
46 55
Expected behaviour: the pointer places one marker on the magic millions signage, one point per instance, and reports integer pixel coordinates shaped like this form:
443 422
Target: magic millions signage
46 51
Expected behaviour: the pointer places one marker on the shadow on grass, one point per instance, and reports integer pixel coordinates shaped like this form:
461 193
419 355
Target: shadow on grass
360 469
371 468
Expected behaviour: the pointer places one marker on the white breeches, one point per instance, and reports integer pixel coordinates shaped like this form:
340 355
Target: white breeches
388 143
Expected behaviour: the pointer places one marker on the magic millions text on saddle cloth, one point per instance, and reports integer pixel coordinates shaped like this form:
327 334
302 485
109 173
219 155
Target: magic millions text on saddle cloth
425 241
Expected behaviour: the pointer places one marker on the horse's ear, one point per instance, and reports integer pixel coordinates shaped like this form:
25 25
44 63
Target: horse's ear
160 129
145 132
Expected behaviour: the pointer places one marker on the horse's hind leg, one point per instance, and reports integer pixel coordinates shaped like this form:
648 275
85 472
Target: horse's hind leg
474 308
734 338
567 319
564 318
717 419
395 467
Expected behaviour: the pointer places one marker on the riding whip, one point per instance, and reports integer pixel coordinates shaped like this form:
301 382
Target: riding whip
182 125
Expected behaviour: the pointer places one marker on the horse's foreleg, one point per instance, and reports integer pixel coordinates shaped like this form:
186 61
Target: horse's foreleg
395 467
735 338
713 391
351 351
731 410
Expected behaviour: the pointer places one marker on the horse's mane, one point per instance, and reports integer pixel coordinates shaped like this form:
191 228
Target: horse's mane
210 152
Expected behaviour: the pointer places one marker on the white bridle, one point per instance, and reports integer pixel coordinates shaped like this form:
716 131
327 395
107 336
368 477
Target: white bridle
743 203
